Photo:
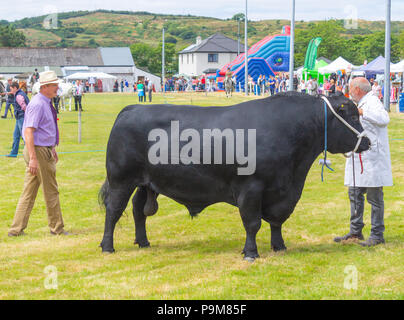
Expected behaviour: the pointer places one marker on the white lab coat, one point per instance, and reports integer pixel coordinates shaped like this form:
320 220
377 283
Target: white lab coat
376 161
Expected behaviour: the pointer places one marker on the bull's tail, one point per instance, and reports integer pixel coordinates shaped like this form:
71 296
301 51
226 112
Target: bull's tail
103 194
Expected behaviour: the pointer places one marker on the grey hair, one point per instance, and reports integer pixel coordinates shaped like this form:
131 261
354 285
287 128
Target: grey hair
362 84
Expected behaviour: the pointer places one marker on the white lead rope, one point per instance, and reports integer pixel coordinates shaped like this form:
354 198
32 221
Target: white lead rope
359 135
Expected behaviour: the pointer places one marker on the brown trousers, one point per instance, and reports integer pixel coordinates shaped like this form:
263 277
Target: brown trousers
47 176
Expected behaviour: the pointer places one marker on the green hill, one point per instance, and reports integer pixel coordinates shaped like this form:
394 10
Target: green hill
114 28
123 28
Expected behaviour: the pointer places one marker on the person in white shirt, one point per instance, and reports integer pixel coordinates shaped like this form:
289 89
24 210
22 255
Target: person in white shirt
78 91
375 162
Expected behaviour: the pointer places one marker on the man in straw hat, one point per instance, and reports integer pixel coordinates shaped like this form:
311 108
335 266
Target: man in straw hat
41 135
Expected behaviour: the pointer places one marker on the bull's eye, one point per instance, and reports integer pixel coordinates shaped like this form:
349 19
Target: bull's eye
355 118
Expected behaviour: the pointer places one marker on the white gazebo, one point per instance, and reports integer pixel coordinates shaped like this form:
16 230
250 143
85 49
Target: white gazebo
338 64
107 79
398 67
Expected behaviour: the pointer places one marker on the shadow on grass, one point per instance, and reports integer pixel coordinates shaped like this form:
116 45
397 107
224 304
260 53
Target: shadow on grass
217 247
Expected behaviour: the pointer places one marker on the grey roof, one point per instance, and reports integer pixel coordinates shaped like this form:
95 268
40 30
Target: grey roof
30 70
215 43
28 57
117 56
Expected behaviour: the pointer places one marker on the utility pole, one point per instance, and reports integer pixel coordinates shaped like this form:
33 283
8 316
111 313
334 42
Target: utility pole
292 47
238 37
163 65
245 51
387 46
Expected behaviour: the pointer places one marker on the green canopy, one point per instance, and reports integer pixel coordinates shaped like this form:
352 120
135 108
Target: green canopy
314 73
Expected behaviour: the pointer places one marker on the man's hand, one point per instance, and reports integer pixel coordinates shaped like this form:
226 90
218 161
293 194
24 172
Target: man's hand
360 110
33 166
55 155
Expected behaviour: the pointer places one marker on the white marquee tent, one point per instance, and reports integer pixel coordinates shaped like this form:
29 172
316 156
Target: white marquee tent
338 64
398 67
107 79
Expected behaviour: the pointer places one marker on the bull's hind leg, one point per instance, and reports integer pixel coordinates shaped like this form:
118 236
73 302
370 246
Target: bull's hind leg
117 200
139 201
249 203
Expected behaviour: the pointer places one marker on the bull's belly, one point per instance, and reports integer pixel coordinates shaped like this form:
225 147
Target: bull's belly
195 191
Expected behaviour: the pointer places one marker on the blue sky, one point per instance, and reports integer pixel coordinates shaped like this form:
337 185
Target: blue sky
258 9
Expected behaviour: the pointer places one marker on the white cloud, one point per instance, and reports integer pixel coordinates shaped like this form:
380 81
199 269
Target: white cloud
257 9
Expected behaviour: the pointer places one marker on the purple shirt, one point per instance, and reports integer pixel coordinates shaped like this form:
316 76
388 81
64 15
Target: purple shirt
41 115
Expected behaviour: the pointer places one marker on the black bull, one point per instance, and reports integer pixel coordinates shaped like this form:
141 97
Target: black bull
289 137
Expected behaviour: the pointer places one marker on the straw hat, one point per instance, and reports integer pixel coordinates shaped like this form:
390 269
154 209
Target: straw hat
48 77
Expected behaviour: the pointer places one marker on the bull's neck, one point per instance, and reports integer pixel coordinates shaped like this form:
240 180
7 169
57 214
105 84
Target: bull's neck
311 140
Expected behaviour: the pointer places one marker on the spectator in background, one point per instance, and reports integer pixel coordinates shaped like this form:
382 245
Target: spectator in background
295 82
36 75
271 83
126 86
377 89
331 90
140 91
20 105
121 85
78 94
10 99
314 87
150 90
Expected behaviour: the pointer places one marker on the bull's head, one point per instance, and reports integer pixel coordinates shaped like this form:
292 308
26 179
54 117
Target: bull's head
341 138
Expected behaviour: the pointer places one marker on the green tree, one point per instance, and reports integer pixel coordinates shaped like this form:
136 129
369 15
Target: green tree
10 37
238 16
400 45
150 57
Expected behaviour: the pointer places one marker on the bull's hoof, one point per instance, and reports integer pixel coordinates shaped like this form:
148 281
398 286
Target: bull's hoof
108 251
249 259
142 244
278 248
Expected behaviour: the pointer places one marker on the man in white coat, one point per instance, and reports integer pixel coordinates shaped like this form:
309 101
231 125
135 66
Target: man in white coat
376 166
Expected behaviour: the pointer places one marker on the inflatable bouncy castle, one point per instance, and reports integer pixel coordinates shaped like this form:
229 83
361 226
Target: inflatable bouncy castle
266 57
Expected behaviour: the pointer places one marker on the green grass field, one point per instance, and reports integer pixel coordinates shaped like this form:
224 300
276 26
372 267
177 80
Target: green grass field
190 258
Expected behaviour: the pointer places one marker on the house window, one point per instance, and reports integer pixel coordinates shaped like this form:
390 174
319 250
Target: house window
213 57
182 58
188 58
192 58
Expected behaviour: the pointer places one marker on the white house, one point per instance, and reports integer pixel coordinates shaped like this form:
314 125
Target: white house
212 53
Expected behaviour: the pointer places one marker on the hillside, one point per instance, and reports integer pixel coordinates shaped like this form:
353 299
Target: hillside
122 28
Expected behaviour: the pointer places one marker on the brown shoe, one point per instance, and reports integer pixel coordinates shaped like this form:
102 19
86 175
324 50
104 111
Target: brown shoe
22 233
349 236
371 242
63 233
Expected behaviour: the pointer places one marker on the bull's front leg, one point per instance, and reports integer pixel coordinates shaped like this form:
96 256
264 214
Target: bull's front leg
250 210
277 243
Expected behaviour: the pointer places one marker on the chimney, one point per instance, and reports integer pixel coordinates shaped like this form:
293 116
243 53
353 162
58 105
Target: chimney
198 39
